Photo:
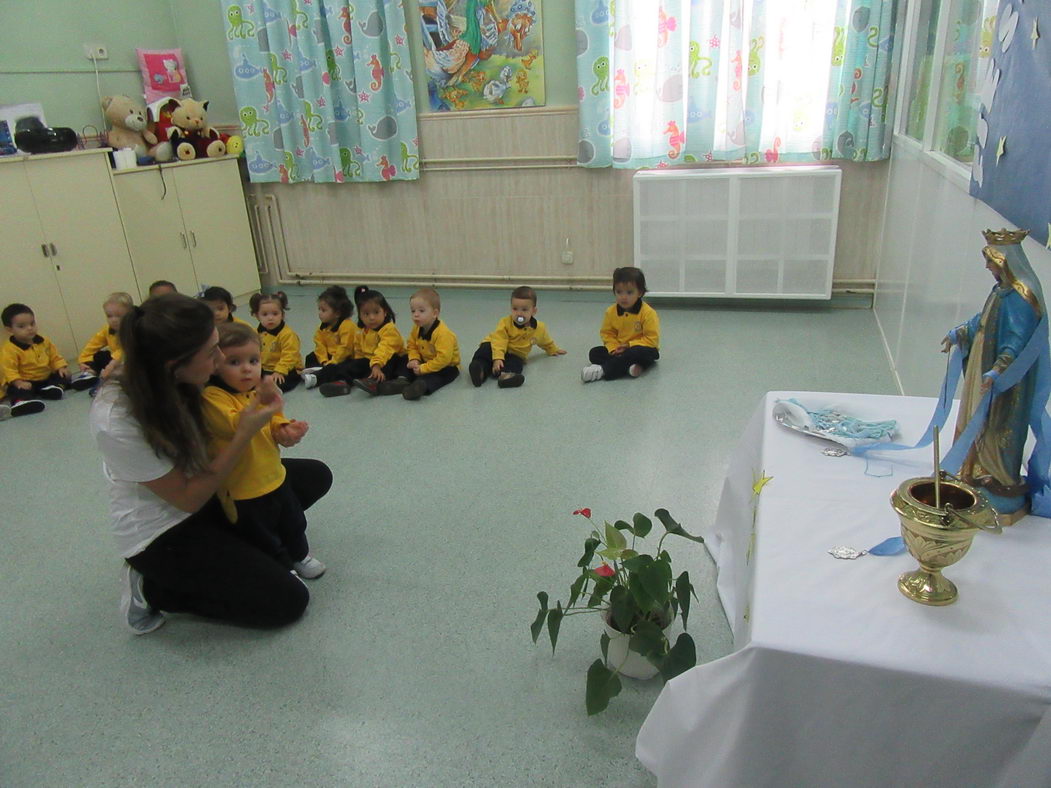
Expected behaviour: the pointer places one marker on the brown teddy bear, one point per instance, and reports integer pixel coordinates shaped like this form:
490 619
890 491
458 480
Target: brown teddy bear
128 120
184 123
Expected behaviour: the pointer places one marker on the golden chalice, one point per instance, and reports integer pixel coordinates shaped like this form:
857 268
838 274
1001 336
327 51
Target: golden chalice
939 518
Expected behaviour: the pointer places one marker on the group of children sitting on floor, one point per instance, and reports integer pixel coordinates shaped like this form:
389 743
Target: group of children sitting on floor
370 354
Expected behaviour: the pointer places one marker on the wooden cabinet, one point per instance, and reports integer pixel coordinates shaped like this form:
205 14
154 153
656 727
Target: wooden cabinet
187 222
62 249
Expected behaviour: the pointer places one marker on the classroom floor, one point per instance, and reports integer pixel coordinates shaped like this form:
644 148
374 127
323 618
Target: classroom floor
413 664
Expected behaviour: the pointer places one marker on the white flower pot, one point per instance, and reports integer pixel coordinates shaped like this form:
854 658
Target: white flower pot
623 660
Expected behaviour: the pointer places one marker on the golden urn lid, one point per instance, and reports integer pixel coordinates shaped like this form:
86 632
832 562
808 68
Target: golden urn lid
962 507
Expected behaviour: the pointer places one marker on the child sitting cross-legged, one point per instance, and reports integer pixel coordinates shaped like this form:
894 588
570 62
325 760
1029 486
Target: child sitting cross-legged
379 350
30 365
281 356
264 505
334 338
434 354
103 349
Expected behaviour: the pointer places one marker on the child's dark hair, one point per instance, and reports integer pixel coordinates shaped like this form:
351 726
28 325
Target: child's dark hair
218 294
161 283
159 337
11 311
277 297
629 275
524 293
237 335
338 301
364 295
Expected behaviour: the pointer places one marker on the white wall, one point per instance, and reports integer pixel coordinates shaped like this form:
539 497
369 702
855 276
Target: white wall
931 274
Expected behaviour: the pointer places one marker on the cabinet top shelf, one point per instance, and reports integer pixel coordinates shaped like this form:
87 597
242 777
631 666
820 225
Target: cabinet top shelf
20 156
171 164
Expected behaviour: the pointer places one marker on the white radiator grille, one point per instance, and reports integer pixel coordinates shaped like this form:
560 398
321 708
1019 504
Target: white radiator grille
268 234
745 232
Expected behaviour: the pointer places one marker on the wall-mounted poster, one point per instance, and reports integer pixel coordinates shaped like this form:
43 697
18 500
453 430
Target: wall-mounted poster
483 54
1012 169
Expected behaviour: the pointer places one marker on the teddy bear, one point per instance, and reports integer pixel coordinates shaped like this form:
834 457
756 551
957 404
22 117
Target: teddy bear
184 124
128 120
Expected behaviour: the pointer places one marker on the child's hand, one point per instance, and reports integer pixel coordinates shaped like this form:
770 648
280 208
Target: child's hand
414 365
618 350
86 368
290 434
25 385
277 377
64 372
377 374
108 369
498 365
257 413
560 352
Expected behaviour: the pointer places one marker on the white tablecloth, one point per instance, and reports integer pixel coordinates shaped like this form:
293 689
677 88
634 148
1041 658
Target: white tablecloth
837 678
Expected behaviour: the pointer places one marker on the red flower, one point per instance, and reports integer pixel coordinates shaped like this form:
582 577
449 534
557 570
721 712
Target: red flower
586 512
605 571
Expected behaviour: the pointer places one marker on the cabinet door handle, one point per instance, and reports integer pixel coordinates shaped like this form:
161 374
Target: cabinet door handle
193 237
183 236
54 251
43 248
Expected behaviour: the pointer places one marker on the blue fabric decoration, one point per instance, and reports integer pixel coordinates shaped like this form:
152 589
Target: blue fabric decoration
895 545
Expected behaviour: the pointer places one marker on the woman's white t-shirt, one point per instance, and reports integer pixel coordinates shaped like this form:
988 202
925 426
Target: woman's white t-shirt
139 516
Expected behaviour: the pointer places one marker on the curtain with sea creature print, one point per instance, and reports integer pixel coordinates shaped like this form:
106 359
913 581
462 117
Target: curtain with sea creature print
663 82
324 89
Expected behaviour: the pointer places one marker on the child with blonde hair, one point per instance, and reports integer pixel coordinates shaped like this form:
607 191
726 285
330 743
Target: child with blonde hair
630 332
433 357
280 357
103 349
256 495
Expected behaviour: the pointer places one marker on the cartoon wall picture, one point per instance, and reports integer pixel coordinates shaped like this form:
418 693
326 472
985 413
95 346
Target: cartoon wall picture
483 54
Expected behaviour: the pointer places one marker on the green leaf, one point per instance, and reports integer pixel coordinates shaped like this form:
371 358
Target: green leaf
656 579
604 644
615 538
620 525
602 587
673 527
642 597
683 589
538 625
575 590
682 657
633 563
649 641
612 553
603 685
643 524
589 551
622 609
627 553
554 621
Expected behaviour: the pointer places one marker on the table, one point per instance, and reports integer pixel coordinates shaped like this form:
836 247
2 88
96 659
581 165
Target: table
836 677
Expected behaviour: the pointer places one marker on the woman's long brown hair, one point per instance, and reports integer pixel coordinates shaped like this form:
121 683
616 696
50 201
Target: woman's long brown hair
158 337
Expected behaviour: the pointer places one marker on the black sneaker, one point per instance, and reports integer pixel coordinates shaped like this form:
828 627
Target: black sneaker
368 385
414 390
26 406
478 373
51 392
337 388
511 381
82 381
396 386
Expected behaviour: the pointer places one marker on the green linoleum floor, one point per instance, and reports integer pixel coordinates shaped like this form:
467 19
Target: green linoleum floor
413 665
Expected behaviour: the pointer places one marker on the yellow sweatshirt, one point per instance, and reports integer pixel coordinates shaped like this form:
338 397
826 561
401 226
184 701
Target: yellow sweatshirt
280 349
509 338
34 362
258 470
333 344
106 337
379 346
637 326
437 348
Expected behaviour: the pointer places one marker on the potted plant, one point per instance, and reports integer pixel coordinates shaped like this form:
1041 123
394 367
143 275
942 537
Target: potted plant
636 596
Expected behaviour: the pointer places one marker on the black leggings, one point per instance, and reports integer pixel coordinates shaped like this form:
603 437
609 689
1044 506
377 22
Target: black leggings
291 379
614 367
354 368
484 355
203 566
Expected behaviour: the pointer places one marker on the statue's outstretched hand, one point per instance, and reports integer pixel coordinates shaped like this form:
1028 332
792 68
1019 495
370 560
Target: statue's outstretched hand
946 344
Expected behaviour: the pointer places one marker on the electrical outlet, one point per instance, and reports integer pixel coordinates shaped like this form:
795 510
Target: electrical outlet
96 52
567 257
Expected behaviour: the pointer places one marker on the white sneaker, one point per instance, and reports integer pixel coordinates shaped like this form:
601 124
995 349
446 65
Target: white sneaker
635 370
591 372
5 411
310 371
135 611
309 379
309 567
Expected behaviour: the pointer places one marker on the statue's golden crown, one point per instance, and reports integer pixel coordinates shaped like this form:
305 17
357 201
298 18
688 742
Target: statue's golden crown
1004 237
